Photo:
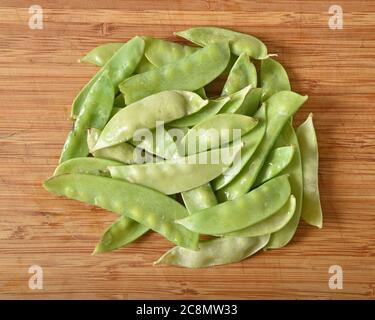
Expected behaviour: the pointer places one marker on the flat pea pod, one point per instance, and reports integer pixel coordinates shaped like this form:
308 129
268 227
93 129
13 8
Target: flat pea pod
102 53
212 108
120 66
251 102
236 100
161 52
127 199
251 142
174 176
279 108
214 252
242 212
242 74
201 67
311 208
144 65
123 152
95 112
93 166
164 106
216 131
199 198
120 233
272 224
282 237
239 42
273 78
276 161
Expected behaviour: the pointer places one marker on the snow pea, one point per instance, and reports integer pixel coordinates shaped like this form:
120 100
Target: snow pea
311 208
236 100
119 101
251 142
282 237
279 108
164 106
241 75
120 66
199 198
251 102
239 42
202 66
212 108
214 252
216 131
276 161
273 78
178 175
241 212
102 53
94 113
120 233
269 225
127 199
93 166
144 65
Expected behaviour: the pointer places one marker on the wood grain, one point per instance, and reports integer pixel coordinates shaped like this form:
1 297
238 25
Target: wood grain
39 77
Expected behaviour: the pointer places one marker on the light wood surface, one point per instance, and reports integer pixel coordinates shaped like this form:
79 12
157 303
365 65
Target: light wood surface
39 77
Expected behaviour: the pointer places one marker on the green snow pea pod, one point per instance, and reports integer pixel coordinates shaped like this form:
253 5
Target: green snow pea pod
251 102
102 53
157 213
272 224
212 108
93 166
119 101
311 209
123 152
242 212
144 65
215 132
178 175
282 237
239 42
199 198
276 161
95 112
120 233
164 106
279 108
161 52
273 78
201 67
241 75
236 100
214 252
251 142
120 66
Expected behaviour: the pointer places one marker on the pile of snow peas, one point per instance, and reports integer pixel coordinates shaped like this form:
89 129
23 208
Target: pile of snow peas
143 124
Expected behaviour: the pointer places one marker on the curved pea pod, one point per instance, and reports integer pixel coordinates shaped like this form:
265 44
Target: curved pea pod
273 78
276 161
95 112
102 53
242 74
242 212
128 199
214 252
202 67
199 198
182 174
279 108
311 208
282 237
120 233
272 224
251 102
161 52
162 107
120 66
144 65
123 152
93 166
250 142
239 42
212 108
236 100
217 131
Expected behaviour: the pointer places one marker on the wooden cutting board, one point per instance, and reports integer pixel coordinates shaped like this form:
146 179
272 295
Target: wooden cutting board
40 76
